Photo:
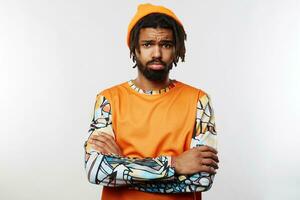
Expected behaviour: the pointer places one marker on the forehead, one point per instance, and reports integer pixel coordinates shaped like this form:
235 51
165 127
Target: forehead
155 34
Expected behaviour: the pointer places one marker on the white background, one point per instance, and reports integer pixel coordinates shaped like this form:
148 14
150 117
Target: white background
55 56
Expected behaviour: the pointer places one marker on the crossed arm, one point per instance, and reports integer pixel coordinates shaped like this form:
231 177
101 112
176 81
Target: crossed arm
106 166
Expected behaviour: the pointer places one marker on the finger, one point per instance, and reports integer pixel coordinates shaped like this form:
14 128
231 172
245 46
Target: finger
102 142
211 155
210 162
95 136
109 140
102 145
90 140
98 149
102 137
107 135
207 148
99 133
112 142
208 169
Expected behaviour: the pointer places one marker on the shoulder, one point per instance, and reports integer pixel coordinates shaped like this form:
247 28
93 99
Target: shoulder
200 91
110 91
203 97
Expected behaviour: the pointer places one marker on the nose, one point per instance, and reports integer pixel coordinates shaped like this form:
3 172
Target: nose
156 52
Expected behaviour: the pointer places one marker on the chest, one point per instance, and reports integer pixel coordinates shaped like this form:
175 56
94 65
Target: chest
149 128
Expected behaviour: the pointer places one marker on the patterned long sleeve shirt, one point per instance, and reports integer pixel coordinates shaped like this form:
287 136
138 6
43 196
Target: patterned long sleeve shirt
148 174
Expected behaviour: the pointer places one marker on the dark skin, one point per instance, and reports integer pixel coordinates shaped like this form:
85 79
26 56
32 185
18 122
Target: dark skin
156 43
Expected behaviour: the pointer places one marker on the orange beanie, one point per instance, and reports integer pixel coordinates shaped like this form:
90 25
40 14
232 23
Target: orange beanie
146 9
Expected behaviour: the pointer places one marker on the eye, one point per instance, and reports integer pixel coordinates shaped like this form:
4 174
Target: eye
146 45
167 46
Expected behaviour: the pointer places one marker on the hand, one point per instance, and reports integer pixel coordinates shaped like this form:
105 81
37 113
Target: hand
104 143
198 159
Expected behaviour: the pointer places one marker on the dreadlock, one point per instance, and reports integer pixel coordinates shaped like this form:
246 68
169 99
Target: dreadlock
158 20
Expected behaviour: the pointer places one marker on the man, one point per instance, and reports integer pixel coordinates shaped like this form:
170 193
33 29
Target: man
153 137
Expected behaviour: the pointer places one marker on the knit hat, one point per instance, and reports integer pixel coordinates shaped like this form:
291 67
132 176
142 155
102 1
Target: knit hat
146 9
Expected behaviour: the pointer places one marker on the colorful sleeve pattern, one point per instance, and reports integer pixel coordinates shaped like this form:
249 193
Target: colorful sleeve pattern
113 170
149 174
204 134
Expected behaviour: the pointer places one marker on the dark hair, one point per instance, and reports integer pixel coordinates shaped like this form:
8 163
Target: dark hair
159 20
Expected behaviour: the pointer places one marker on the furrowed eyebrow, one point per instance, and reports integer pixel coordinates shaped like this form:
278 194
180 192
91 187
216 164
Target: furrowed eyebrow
147 41
167 41
162 41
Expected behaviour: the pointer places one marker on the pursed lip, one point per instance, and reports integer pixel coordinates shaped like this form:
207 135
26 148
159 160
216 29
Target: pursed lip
156 66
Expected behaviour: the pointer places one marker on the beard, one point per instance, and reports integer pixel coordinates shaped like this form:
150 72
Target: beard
154 75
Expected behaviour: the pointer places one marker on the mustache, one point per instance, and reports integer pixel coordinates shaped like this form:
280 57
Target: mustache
156 62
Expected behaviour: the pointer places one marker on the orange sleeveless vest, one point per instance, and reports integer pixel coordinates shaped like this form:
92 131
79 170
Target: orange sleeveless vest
149 126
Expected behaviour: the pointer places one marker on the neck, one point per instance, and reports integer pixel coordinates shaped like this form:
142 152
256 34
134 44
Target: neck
146 84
